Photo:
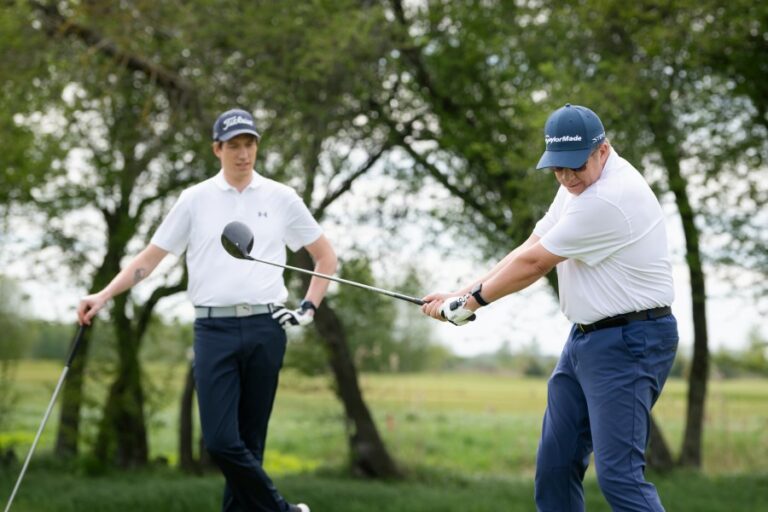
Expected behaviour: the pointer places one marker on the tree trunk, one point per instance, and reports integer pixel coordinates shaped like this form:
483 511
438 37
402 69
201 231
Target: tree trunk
187 460
186 433
690 454
368 453
122 437
71 400
658 456
72 392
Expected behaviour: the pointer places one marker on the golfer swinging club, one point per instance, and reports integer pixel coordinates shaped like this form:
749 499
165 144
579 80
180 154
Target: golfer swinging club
239 327
605 234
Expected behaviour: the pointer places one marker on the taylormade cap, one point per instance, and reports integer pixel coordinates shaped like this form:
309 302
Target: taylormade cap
570 135
232 123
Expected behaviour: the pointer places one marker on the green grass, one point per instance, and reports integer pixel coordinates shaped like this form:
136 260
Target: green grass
170 491
467 442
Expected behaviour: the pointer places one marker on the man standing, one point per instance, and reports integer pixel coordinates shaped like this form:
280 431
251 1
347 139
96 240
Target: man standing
239 327
605 234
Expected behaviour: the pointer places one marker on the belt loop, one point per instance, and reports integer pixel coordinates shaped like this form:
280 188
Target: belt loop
208 312
270 308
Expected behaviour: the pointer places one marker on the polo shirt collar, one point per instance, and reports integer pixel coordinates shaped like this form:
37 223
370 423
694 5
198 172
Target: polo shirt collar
220 182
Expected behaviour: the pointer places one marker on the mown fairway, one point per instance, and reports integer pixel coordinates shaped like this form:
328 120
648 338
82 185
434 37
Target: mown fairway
467 442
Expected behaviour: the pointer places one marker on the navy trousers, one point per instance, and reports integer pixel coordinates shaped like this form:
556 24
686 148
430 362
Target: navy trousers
599 399
237 362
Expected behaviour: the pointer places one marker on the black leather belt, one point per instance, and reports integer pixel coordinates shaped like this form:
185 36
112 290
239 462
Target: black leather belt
618 320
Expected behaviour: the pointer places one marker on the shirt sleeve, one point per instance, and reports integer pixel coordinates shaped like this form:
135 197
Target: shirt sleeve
550 218
301 228
590 230
173 233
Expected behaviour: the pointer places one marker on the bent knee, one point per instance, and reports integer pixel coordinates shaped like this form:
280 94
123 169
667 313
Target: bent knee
630 492
220 447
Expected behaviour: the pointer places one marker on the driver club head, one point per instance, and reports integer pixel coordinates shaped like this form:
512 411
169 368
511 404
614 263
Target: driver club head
237 240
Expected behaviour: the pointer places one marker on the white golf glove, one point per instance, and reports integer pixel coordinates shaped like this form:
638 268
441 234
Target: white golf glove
454 311
295 317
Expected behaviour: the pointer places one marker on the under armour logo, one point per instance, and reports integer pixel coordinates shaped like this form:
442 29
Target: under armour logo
261 214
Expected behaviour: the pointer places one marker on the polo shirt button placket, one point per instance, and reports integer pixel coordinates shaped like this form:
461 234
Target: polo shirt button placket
240 204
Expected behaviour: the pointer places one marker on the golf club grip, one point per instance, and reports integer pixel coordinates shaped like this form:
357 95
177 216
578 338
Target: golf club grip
75 345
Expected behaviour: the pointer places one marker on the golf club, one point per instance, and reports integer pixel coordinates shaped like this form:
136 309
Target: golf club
237 240
72 352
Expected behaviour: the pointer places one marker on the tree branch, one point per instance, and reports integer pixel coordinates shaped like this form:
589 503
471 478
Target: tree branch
145 313
347 183
422 74
59 25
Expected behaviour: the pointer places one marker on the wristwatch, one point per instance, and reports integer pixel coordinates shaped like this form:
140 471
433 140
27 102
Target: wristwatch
475 292
306 305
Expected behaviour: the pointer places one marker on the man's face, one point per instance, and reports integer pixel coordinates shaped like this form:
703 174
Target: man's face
577 180
238 154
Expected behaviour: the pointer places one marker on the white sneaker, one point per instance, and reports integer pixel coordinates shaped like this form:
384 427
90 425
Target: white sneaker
301 507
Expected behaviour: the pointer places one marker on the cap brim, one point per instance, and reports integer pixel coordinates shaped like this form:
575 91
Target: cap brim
235 133
571 159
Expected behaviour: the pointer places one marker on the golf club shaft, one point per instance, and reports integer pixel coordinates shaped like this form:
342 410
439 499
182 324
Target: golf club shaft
56 391
343 281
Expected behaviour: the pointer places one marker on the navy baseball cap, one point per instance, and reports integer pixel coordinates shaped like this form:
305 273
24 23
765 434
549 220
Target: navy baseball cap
232 123
570 135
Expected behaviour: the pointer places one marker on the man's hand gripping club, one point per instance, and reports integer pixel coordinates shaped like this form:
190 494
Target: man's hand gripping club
454 311
295 317
448 307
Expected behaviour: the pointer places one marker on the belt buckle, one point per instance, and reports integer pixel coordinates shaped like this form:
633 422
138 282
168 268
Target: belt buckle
581 328
243 310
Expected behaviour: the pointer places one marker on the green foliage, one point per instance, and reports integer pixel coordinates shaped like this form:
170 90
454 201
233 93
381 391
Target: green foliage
368 319
306 354
11 332
527 361
751 362
674 84
464 112
384 334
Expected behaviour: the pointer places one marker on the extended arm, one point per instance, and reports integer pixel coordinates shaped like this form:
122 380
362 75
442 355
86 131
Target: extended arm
533 239
325 263
435 300
136 271
518 270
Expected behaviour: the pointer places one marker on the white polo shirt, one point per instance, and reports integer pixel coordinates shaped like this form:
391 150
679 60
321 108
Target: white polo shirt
277 217
614 237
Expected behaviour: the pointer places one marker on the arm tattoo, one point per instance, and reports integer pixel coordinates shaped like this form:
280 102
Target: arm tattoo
139 274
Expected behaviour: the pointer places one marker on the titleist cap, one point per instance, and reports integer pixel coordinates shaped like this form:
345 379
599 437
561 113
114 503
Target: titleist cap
232 123
570 135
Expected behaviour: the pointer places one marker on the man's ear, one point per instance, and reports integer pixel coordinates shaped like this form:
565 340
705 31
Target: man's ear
216 147
605 149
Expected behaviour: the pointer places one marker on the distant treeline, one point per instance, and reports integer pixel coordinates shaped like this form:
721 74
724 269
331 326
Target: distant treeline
169 341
